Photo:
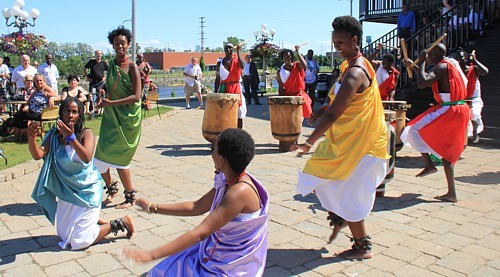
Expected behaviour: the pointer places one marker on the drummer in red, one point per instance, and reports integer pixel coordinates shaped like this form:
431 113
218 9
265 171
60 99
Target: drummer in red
291 79
228 77
387 75
441 129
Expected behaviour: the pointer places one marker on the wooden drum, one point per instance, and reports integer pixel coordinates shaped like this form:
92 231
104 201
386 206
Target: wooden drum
286 119
221 113
400 107
390 118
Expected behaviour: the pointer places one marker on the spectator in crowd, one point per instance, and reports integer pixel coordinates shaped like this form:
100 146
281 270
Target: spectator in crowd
50 72
251 80
21 71
312 70
193 75
4 70
407 23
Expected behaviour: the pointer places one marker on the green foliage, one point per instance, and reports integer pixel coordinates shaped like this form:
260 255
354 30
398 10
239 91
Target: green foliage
235 41
202 63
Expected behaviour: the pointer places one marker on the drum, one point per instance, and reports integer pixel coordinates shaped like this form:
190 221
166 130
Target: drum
286 119
400 107
390 118
221 113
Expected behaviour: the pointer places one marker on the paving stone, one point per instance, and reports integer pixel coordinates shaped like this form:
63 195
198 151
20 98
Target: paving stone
99 263
276 272
427 247
64 269
402 253
412 271
384 263
24 270
461 262
484 271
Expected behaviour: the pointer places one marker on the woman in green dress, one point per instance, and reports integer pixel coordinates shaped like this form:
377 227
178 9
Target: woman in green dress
121 119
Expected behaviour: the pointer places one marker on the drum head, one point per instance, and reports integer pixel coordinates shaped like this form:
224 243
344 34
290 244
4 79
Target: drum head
222 96
389 115
285 100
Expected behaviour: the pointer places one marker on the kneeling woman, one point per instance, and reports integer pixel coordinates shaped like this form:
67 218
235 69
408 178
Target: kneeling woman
69 174
232 239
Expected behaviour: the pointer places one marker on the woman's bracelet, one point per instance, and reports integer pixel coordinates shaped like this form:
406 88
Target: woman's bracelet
154 205
70 138
308 144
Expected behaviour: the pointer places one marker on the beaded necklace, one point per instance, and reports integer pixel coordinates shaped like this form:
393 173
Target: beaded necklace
228 185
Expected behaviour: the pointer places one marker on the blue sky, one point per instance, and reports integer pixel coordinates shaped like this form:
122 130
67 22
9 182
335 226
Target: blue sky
176 23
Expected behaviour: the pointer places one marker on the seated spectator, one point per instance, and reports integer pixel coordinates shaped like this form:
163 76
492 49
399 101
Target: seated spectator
76 91
42 97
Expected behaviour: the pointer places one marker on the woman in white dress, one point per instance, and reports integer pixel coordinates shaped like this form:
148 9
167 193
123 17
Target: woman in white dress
69 187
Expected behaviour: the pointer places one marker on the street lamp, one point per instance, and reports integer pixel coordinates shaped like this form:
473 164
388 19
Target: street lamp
20 16
265 36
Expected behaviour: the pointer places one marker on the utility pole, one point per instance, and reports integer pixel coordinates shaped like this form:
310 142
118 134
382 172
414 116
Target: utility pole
134 50
202 35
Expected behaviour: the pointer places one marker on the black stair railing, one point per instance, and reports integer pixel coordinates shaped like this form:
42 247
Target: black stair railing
464 22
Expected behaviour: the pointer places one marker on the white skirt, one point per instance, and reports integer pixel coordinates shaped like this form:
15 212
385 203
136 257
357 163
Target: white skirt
411 136
477 108
353 198
102 167
76 226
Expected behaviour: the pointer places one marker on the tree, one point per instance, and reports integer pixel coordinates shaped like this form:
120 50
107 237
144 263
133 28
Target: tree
235 41
202 63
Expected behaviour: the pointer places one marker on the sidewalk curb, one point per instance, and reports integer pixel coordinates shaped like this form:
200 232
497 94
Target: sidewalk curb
32 165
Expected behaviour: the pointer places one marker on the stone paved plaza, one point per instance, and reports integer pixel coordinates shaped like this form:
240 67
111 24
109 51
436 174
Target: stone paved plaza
413 234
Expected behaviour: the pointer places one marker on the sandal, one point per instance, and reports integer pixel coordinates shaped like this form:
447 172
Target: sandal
121 224
129 199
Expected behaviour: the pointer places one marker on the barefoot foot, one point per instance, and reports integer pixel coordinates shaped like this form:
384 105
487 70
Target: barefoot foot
124 205
427 171
336 230
447 198
130 225
102 221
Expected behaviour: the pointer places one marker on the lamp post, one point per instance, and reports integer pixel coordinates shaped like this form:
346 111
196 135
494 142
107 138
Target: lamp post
265 36
20 16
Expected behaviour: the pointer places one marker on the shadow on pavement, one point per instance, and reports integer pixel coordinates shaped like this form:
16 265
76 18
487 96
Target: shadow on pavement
409 162
311 198
10 248
292 258
381 203
183 150
22 209
483 178
389 203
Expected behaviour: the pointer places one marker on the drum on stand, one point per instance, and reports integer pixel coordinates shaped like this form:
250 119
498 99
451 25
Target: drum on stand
390 118
400 107
221 113
286 119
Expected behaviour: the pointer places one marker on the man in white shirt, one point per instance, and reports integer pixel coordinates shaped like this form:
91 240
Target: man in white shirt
21 71
312 69
50 72
193 74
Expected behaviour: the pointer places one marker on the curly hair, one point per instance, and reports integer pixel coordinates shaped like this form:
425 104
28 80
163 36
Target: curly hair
237 147
284 52
79 124
120 31
348 24
389 57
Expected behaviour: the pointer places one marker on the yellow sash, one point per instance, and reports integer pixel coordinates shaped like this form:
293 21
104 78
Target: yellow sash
361 130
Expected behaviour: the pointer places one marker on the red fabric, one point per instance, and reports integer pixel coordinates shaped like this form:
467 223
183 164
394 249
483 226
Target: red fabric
388 85
471 82
233 80
295 86
446 134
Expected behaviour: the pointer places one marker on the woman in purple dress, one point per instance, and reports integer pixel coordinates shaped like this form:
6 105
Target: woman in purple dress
232 239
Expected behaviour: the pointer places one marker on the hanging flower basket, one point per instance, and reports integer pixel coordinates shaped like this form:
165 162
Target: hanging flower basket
265 50
20 43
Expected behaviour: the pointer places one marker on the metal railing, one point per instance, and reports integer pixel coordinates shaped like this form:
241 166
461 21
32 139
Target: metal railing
464 22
